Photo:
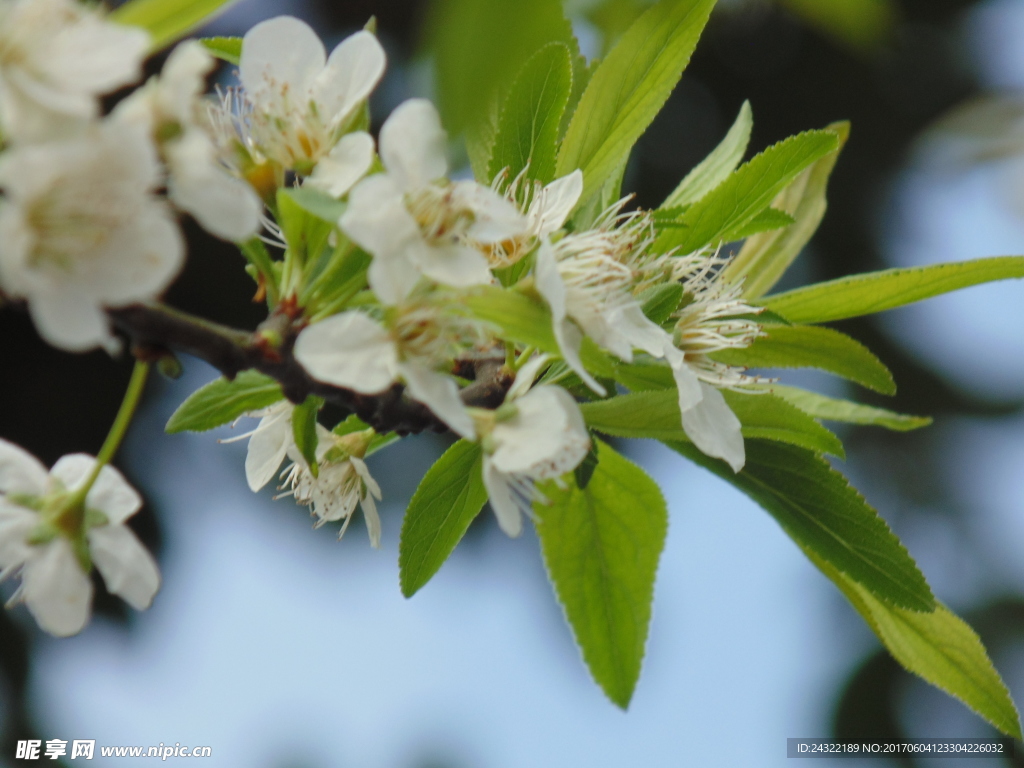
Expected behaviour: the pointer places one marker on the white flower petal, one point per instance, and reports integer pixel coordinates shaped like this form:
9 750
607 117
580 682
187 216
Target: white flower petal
376 217
502 499
128 570
348 350
494 218
551 286
70 320
20 471
110 494
363 471
224 206
56 590
353 70
547 437
268 446
281 58
687 384
183 79
714 428
456 265
97 56
440 394
346 164
412 145
559 198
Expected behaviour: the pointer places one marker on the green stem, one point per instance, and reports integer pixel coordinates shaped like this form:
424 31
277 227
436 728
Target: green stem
120 426
523 357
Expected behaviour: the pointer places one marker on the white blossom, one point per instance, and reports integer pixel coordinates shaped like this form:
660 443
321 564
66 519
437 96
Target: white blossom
538 434
414 222
45 538
80 230
342 481
353 351
296 103
56 58
170 108
546 209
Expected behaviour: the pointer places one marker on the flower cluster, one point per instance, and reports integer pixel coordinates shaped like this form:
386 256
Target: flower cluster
372 281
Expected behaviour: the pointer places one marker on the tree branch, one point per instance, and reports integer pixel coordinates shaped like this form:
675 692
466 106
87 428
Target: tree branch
269 351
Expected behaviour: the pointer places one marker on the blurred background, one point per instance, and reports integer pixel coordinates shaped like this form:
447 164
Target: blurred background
280 647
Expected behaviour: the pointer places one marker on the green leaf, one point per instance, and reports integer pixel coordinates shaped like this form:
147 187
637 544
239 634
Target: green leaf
532 113
833 409
224 400
750 189
601 546
768 220
764 258
629 88
878 291
660 301
479 47
818 508
807 346
938 646
449 497
655 414
228 49
167 20
716 167
304 430
527 320
305 232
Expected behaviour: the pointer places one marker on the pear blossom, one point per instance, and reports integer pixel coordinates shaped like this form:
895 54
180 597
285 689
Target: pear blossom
413 221
56 58
296 102
546 210
538 434
51 541
342 481
590 281
354 351
169 107
81 230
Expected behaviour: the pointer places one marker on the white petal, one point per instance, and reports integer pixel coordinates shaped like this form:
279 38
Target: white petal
363 471
547 437
639 331
16 523
456 265
347 163
440 394
97 56
495 218
110 494
551 286
353 70
412 145
714 428
559 198
128 570
20 471
267 447
223 205
348 350
376 217
183 79
525 376
281 57
503 502
157 251
70 320
56 590
687 384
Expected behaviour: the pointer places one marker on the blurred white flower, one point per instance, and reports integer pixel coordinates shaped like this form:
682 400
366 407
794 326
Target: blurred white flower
353 351
80 230
169 107
415 223
51 542
296 102
56 58
538 434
